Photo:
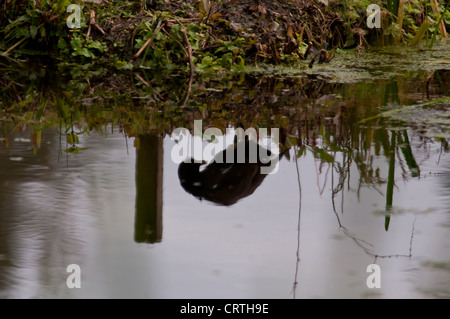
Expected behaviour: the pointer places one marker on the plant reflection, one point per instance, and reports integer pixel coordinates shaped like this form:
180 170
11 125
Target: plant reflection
339 124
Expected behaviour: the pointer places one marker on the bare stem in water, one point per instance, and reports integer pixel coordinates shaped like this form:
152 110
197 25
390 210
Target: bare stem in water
297 264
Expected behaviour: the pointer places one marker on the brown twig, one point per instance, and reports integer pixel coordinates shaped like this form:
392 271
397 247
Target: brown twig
54 17
179 43
12 60
142 80
92 22
13 47
147 43
99 28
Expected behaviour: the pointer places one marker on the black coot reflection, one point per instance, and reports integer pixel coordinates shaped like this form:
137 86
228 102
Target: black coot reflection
224 181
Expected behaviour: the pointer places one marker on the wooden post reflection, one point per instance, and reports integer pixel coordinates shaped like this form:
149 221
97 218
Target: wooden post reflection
149 184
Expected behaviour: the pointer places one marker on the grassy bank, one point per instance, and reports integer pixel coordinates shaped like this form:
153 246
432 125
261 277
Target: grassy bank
208 35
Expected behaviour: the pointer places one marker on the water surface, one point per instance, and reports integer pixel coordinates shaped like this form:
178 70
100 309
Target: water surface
354 189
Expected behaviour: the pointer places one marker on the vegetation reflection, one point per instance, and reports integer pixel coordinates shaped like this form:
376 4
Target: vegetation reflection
320 118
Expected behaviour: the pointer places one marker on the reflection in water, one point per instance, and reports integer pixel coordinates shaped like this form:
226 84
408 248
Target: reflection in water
297 253
390 182
149 185
47 209
44 219
230 176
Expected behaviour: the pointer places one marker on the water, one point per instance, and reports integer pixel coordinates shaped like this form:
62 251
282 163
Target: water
117 208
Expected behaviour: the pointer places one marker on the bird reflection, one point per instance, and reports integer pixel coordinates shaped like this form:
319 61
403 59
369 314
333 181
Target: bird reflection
223 181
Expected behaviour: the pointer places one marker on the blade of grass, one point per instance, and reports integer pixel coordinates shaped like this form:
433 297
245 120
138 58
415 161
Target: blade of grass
390 183
437 12
420 33
437 27
405 147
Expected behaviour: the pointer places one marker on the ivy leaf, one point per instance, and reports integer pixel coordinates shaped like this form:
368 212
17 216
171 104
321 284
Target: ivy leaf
323 155
75 149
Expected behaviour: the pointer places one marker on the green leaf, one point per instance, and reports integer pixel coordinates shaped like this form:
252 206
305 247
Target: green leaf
97 45
85 52
61 44
123 65
75 149
33 31
72 138
301 152
323 155
207 61
42 32
76 43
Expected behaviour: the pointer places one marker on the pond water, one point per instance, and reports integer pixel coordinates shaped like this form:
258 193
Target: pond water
353 189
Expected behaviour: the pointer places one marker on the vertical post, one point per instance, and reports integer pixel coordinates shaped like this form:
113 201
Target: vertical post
149 184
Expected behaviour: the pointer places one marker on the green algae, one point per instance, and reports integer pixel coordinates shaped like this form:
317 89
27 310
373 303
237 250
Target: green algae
377 63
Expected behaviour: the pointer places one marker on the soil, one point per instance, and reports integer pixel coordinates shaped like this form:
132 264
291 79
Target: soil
275 28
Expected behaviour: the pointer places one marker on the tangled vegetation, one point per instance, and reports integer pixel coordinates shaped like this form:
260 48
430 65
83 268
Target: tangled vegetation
208 35
126 65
